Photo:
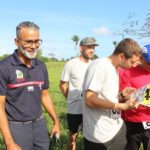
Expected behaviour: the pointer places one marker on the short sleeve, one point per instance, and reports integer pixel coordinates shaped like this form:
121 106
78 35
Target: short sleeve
65 76
94 78
46 80
3 81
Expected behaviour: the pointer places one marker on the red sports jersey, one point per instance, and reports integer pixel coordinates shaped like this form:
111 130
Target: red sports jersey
135 77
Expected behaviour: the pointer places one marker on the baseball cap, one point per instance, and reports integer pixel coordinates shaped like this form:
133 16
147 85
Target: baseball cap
88 41
146 52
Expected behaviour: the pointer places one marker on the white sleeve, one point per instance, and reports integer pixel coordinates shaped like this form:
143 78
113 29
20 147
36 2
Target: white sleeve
65 76
94 78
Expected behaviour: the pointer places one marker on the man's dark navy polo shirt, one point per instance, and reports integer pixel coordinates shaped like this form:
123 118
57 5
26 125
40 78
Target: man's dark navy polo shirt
22 87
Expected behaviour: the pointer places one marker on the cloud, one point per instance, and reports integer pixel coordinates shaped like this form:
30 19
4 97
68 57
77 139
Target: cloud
102 31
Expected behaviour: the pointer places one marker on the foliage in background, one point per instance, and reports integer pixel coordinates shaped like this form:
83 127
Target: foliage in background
40 56
136 25
44 58
4 56
75 39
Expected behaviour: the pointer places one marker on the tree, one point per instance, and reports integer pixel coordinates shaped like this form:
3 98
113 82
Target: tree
115 43
39 53
41 57
137 26
4 56
95 56
51 57
75 39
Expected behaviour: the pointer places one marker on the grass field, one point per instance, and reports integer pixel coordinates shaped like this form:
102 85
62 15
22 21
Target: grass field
54 70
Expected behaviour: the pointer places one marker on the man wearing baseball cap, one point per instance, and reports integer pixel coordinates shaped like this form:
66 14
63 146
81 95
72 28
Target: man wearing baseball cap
71 87
88 41
138 120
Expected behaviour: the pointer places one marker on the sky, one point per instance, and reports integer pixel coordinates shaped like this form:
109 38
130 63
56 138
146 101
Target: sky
59 20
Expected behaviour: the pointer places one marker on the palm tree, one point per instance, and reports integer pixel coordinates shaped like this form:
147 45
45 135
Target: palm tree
115 43
75 39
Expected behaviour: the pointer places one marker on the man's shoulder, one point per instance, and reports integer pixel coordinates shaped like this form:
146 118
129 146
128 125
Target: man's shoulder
72 61
99 62
5 61
133 70
39 62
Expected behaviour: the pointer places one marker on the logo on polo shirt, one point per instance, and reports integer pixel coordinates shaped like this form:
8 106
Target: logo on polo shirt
30 88
19 75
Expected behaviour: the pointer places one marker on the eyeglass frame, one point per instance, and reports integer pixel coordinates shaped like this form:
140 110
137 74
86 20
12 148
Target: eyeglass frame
29 43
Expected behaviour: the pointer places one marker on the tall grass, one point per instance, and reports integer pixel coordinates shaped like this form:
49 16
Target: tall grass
54 71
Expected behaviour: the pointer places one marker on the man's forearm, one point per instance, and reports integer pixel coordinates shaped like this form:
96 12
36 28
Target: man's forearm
4 127
65 92
64 88
92 100
47 103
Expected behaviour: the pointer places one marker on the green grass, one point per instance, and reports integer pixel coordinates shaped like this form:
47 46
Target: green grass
54 71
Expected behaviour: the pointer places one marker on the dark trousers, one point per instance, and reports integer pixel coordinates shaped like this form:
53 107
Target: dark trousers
31 136
117 143
136 135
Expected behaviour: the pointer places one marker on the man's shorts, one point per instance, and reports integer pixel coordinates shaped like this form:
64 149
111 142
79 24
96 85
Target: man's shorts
74 122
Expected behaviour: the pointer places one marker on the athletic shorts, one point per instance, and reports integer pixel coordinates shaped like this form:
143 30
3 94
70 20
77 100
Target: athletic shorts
136 134
74 122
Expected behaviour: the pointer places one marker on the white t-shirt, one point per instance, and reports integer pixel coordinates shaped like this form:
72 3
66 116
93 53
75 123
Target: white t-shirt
73 73
98 124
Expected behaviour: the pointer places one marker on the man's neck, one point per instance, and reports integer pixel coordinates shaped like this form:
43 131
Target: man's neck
114 59
25 60
83 59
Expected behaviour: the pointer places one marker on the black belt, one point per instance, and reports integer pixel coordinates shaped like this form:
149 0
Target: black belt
28 122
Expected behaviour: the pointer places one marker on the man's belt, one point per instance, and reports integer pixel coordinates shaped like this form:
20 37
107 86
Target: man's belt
28 122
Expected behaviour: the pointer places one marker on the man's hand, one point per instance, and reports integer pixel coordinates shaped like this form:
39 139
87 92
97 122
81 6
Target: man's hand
13 146
126 93
56 129
131 104
128 105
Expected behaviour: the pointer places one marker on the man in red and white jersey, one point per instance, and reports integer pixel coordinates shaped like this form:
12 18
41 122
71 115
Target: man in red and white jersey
138 120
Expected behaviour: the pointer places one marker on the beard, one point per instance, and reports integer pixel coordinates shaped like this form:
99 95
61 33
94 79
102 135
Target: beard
28 54
86 56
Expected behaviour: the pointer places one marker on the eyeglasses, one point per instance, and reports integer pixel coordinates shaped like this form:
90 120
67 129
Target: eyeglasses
28 43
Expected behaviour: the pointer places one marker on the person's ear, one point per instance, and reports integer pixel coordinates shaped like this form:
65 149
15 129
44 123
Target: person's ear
81 48
121 56
16 41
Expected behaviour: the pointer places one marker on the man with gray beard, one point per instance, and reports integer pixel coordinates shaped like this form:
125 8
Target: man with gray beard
23 90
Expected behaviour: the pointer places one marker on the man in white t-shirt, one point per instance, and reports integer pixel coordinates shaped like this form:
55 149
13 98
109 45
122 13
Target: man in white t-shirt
103 128
71 86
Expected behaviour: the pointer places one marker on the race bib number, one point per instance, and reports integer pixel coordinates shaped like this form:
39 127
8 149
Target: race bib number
146 125
142 95
146 100
115 114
